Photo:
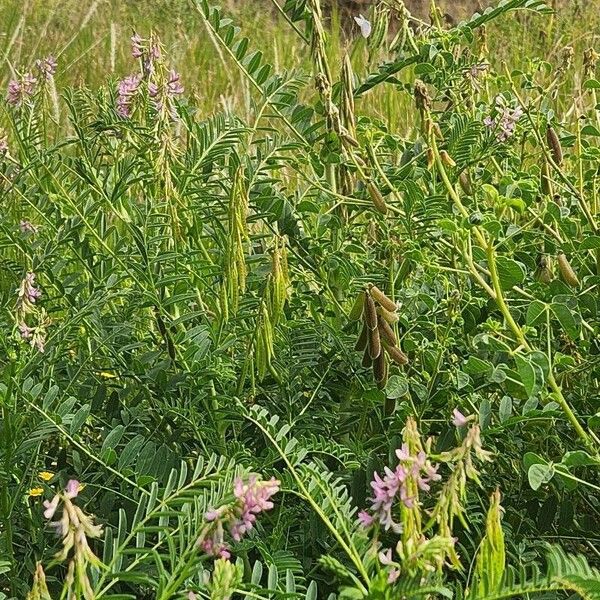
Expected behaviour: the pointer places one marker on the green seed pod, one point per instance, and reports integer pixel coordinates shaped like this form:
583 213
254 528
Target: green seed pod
447 159
465 183
554 145
380 370
545 181
357 307
377 198
396 355
380 297
374 343
390 317
361 343
386 332
566 271
370 312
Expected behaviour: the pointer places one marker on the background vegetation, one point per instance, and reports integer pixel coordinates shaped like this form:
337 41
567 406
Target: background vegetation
198 255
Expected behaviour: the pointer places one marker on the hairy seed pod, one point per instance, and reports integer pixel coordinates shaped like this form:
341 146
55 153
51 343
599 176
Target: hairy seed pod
386 332
566 271
357 307
554 145
374 343
370 312
465 183
544 271
396 355
377 198
390 317
545 181
380 297
447 159
361 343
380 370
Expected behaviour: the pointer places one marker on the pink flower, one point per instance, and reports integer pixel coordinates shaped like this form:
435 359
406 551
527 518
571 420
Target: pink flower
174 87
253 498
365 519
126 91
72 489
385 558
46 66
51 507
137 48
25 331
459 420
27 227
393 576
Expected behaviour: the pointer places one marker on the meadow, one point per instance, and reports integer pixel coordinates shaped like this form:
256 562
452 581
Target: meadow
299 299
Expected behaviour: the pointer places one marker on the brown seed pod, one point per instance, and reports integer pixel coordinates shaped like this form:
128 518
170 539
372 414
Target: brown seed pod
566 271
380 370
374 343
386 332
366 360
465 183
437 131
370 312
361 343
554 145
378 295
377 198
357 307
545 181
430 158
447 159
396 355
390 317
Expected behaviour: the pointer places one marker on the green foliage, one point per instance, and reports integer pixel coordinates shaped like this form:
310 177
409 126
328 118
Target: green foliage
197 269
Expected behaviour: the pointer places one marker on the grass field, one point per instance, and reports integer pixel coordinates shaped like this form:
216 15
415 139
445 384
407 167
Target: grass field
299 301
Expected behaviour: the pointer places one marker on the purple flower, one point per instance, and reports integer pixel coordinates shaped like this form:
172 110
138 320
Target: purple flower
127 89
365 519
364 24
253 498
174 87
32 293
72 489
20 89
137 48
51 507
25 331
505 121
27 227
458 419
46 66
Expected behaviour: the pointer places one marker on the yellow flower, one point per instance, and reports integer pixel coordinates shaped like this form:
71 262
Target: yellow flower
45 475
36 492
108 375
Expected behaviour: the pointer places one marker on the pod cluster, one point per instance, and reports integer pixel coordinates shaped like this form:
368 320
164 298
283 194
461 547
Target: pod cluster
377 338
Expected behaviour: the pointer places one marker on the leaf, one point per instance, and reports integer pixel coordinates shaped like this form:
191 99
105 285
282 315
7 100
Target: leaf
79 419
566 318
505 410
510 272
112 439
534 311
590 242
578 458
397 386
539 474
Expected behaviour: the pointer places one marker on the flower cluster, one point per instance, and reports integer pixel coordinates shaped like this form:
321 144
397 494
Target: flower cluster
251 498
46 67
27 297
395 485
505 121
126 92
74 527
163 86
21 89
25 86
